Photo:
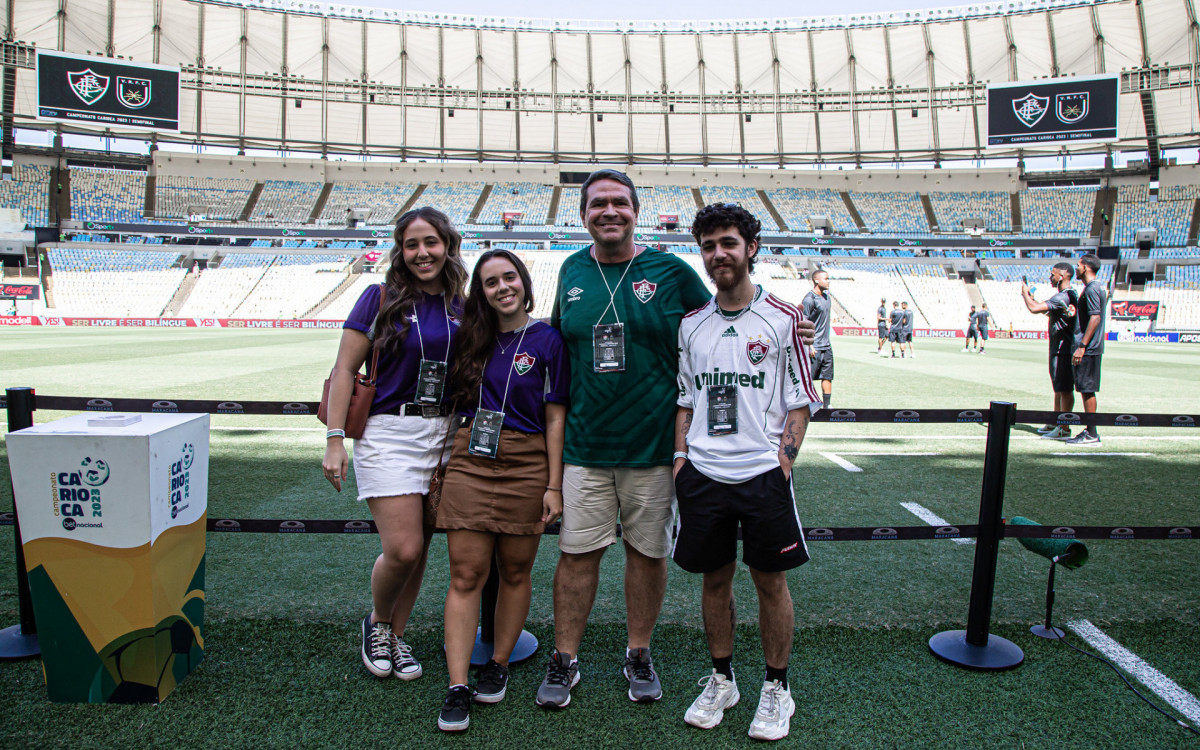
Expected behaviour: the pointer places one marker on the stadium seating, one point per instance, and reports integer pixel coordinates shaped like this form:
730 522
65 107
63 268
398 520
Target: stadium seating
567 215
1063 212
1171 218
286 202
220 290
892 212
745 197
992 206
858 287
529 198
29 192
293 285
384 199
224 198
101 283
796 205
108 195
664 199
455 199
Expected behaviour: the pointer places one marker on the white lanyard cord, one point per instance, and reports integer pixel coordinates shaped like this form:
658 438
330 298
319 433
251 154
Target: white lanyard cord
612 294
421 340
511 366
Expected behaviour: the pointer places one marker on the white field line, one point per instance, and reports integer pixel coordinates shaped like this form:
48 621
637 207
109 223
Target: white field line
931 518
313 430
1166 688
1089 453
1107 437
842 462
837 457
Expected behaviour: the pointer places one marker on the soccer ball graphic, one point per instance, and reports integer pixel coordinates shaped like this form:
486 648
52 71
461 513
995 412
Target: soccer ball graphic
189 455
94 470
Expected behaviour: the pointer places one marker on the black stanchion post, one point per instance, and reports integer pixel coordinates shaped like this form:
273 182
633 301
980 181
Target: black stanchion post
20 641
485 640
974 647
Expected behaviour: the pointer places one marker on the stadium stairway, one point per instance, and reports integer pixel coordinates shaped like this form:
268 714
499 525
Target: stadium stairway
1106 199
411 202
320 205
253 199
762 196
972 292
698 198
181 294
148 205
329 298
555 197
858 220
841 313
930 216
1015 201
479 204
1194 227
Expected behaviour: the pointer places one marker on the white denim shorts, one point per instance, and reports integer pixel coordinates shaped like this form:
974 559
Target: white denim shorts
397 455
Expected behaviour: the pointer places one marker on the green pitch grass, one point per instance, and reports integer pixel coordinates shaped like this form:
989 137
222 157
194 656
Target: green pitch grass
282 668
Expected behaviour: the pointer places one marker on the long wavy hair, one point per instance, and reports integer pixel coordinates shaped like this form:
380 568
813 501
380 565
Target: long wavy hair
476 336
402 289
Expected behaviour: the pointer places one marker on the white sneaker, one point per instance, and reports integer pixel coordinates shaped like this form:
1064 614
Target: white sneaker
966 349
709 707
774 715
1046 428
1058 433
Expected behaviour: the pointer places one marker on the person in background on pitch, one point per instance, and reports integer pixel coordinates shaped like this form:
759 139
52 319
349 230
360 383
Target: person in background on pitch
503 484
896 328
408 424
736 439
881 320
816 306
906 322
1060 310
972 332
1089 345
982 318
618 308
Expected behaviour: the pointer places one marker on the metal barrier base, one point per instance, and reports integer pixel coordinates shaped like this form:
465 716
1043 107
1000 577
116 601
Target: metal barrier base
527 646
16 645
1000 653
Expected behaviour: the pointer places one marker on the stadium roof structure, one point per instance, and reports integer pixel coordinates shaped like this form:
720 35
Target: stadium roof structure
905 86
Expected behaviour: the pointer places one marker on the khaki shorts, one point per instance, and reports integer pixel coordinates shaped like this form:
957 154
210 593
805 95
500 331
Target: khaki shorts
593 498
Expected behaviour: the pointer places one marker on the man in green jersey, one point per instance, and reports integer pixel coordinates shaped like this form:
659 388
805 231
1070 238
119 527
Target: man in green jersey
618 307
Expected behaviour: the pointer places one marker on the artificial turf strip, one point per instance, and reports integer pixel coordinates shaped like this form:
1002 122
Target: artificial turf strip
283 684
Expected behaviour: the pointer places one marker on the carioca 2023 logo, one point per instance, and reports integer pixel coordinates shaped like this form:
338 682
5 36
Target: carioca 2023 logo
77 493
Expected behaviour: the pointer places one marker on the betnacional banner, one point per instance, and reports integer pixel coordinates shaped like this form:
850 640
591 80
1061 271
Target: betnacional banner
20 291
103 91
1133 310
1078 109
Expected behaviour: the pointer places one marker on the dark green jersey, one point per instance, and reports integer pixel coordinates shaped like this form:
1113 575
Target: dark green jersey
624 418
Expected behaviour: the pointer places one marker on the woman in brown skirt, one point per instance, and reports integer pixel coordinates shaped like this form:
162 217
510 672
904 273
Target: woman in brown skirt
504 480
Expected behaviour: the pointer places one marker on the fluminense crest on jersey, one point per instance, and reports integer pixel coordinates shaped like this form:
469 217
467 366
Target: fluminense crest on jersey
1030 108
756 350
88 85
523 363
644 290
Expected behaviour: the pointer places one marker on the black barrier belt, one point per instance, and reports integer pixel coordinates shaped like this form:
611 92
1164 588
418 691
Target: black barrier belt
837 416
812 534
1108 419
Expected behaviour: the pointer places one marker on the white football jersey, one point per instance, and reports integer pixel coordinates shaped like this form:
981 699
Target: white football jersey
760 354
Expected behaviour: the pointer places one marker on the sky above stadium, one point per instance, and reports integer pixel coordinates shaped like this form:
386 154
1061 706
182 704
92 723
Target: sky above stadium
639 10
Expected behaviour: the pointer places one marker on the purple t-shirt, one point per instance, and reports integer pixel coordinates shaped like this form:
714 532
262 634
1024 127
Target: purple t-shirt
540 373
396 381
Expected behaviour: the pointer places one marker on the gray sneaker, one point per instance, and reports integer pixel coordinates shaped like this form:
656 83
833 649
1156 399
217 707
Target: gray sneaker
561 675
644 686
1058 433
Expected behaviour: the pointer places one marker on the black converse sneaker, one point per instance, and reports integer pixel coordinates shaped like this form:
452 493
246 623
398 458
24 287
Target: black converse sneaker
404 665
491 682
456 710
376 647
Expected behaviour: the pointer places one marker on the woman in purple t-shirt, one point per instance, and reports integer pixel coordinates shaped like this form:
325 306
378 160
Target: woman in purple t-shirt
510 383
409 422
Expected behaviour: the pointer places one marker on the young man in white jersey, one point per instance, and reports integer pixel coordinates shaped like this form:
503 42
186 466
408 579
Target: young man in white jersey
745 397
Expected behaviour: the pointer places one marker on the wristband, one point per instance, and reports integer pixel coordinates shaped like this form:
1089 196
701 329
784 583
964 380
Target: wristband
555 489
679 454
335 433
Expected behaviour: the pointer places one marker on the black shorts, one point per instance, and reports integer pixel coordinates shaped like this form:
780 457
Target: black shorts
907 338
972 333
1087 374
822 364
1062 372
983 334
894 335
883 332
709 514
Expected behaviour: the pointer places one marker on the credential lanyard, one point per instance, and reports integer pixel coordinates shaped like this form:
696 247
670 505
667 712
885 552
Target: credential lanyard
485 430
431 375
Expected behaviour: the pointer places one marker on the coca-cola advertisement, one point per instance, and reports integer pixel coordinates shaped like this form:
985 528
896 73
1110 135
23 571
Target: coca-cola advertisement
10 290
1134 310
